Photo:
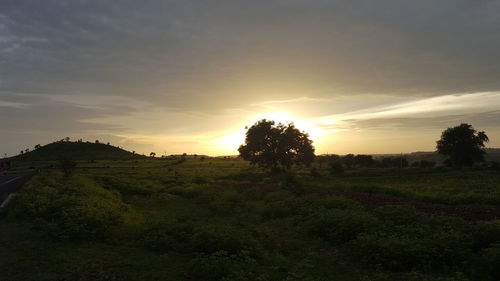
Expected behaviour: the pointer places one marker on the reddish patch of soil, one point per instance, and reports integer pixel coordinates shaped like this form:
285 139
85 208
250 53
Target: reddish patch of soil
472 212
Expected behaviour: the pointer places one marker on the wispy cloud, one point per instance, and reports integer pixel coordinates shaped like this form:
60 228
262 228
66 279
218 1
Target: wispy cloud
428 107
11 104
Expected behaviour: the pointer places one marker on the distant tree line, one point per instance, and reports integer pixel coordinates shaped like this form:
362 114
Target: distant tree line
338 163
279 146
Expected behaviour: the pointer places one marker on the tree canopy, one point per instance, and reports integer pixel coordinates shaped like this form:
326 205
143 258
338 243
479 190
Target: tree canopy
276 146
462 144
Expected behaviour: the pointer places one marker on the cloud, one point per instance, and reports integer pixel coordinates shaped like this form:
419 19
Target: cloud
192 54
191 67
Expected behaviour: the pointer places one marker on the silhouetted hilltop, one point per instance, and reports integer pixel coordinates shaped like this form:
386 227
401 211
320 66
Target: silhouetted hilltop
76 151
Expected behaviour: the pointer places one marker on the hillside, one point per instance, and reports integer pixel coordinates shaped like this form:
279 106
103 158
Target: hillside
76 151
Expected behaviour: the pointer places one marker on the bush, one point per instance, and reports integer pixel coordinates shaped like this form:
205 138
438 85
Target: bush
92 218
168 236
487 266
67 166
404 252
336 168
209 241
339 226
486 234
224 266
335 202
128 186
291 184
186 192
407 240
398 215
70 209
282 205
314 172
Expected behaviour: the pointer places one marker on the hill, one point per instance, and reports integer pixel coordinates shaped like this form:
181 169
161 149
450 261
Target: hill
76 151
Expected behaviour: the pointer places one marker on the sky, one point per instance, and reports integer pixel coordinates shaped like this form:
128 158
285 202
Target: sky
360 76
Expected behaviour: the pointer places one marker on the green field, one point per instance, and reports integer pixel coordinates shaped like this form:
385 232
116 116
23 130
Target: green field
221 219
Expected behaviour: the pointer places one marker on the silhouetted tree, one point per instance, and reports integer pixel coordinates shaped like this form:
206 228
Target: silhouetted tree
67 166
336 167
462 144
37 146
276 146
362 160
152 154
394 162
349 160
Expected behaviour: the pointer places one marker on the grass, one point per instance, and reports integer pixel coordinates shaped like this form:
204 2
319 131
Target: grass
221 219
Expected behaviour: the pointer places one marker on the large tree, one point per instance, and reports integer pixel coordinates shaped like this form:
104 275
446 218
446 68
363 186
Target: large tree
463 145
276 146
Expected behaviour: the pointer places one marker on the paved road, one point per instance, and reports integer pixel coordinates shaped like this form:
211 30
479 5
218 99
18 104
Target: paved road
12 183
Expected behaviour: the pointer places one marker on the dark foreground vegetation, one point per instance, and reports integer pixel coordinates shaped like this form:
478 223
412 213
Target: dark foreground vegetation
221 219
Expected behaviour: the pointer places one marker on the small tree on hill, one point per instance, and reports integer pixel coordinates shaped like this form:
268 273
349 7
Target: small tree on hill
276 146
463 145
67 166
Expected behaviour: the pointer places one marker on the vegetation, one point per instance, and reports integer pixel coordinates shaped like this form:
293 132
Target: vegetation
463 145
276 146
222 219
79 150
352 217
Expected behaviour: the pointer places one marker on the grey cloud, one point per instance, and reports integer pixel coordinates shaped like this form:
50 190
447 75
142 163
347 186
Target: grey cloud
190 53
481 121
204 56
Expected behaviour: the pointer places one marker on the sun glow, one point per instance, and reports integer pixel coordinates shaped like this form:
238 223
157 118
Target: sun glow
229 143
311 127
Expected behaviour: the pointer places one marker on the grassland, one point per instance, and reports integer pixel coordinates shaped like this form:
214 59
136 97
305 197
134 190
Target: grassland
221 219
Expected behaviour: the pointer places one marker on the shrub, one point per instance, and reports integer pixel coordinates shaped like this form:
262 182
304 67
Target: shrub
487 268
486 234
224 203
167 236
314 172
339 226
70 209
186 192
90 219
128 186
291 184
335 202
67 166
336 168
397 215
209 241
406 239
494 165
412 247
224 266
200 180
282 205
